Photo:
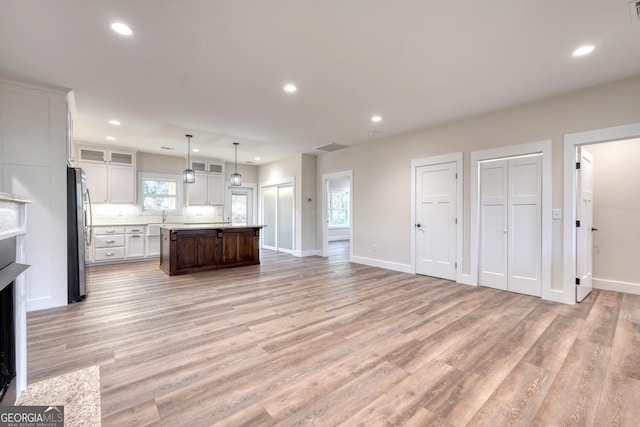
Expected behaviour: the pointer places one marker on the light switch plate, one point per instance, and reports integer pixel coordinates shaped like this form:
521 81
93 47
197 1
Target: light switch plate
557 214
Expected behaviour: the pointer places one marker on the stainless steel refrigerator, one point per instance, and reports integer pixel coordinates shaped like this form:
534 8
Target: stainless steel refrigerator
79 224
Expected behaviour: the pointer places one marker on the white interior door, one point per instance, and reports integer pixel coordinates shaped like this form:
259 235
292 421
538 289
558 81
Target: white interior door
285 218
524 250
584 214
436 220
493 224
511 224
269 215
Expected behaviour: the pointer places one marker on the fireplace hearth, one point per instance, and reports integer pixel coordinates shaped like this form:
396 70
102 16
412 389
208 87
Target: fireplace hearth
13 319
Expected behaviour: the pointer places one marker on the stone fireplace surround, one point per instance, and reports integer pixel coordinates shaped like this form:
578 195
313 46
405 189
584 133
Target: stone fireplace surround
12 238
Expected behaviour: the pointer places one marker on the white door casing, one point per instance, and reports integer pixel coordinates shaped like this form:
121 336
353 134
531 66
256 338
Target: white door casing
511 224
584 234
436 219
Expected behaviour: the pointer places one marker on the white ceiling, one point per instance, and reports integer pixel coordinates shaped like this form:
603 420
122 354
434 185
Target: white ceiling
216 68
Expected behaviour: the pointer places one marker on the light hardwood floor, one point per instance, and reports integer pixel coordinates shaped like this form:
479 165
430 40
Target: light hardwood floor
323 342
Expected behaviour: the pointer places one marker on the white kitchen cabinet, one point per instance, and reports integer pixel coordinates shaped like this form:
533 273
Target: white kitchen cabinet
111 173
215 189
96 181
134 242
153 241
153 246
121 184
209 186
108 243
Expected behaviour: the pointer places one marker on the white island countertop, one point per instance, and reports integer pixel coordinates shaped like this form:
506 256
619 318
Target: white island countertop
209 226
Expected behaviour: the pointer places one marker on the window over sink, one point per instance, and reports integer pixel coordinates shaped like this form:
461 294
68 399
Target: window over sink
160 192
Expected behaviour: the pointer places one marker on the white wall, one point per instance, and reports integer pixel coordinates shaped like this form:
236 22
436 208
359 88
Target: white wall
381 168
616 211
33 143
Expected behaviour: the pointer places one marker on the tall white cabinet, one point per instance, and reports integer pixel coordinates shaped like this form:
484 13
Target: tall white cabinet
33 143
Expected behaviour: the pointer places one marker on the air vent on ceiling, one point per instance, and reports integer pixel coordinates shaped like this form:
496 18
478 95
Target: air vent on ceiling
330 147
634 10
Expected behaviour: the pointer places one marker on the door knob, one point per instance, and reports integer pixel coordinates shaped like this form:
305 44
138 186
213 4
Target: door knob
418 225
594 229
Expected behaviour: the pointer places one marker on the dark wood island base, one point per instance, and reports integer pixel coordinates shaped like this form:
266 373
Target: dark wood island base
191 249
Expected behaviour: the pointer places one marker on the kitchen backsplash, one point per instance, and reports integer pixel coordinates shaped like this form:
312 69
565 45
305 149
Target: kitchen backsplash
109 214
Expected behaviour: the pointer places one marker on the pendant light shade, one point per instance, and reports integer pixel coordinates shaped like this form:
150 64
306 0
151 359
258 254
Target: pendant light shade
236 178
189 175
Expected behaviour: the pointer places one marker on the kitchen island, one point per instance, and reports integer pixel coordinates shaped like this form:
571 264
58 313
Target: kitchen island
193 248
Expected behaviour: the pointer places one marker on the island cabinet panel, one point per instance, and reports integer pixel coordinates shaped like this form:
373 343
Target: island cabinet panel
240 247
191 250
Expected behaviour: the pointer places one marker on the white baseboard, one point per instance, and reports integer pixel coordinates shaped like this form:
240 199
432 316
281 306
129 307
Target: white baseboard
613 285
308 252
387 265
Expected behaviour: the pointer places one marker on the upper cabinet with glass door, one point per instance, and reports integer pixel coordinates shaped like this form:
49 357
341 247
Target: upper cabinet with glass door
209 186
110 172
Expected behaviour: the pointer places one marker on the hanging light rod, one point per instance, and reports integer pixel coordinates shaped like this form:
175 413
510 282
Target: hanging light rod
236 178
188 175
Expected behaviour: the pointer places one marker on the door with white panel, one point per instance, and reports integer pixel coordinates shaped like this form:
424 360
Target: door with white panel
278 217
511 224
435 215
493 224
584 233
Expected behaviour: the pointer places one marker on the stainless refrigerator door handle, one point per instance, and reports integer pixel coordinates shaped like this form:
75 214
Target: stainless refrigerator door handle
90 232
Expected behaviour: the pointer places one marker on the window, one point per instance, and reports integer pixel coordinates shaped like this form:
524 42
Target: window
239 203
338 208
160 192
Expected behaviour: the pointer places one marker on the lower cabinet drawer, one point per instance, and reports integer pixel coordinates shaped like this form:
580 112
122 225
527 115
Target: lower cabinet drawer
109 241
103 254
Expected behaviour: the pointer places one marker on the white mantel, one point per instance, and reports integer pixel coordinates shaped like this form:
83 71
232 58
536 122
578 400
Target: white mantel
13 223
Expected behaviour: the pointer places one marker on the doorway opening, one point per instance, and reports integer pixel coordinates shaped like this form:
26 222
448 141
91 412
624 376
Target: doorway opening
596 253
337 214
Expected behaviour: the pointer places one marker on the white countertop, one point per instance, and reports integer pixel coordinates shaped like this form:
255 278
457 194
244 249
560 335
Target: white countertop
215 225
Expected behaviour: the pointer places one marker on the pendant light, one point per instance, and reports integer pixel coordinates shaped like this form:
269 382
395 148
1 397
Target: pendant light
188 175
236 178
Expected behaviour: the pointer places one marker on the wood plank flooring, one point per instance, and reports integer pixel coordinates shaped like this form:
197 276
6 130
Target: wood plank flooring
323 342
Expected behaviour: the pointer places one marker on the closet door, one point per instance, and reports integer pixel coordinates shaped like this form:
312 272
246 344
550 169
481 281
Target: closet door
285 218
511 224
493 224
525 225
269 199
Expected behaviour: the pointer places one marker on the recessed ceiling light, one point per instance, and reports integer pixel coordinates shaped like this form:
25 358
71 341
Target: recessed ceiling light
121 28
114 122
196 150
376 119
290 88
111 138
256 158
583 50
